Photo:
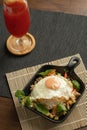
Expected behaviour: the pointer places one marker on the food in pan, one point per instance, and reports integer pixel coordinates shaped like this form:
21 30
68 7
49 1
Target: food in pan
52 93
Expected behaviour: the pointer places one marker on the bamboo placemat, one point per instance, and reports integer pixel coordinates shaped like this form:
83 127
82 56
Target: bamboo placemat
30 120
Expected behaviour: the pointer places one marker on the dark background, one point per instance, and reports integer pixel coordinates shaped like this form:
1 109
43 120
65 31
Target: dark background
57 35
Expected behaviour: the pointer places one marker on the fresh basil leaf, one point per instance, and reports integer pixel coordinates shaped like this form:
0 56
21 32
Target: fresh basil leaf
45 73
20 94
23 102
41 108
61 108
26 101
76 84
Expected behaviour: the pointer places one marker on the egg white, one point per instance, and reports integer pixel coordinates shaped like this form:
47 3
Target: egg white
41 91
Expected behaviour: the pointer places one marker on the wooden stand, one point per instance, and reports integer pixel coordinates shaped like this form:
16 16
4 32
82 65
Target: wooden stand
22 48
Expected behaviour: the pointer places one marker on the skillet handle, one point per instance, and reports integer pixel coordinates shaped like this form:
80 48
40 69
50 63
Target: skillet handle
73 63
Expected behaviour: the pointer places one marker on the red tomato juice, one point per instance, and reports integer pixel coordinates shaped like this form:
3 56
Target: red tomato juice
17 18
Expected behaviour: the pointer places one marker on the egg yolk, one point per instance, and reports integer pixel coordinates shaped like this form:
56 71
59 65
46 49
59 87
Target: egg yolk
52 83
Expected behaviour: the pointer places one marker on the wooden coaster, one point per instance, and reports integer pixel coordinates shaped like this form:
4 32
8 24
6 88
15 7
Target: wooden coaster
22 49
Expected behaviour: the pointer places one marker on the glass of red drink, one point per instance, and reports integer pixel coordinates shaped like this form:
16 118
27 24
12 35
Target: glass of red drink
17 20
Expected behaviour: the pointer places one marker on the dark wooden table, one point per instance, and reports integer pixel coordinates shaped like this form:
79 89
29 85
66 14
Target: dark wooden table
8 116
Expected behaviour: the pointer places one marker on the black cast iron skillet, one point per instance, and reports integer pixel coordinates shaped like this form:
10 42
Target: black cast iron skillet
73 63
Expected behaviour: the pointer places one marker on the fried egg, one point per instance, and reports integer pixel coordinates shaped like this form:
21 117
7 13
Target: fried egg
52 86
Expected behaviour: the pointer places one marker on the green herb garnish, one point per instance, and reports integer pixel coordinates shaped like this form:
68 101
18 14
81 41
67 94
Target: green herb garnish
76 84
41 108
26 101
45 73
20 94
61 108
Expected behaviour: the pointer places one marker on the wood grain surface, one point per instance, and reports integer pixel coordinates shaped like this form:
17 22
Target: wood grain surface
68 6
8 115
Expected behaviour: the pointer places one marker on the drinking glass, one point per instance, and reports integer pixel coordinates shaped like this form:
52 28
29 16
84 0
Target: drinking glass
17 20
